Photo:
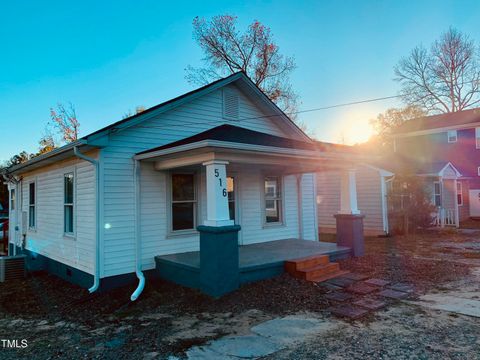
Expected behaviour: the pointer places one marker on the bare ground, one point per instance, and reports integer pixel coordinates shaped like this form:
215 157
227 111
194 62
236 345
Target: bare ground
60 320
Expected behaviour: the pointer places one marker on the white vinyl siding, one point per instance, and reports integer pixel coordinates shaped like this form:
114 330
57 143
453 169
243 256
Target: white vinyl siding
369 196
186 120
48 237
249 186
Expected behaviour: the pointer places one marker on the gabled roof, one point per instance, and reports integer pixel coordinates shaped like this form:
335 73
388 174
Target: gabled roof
96 138
441 121
402 164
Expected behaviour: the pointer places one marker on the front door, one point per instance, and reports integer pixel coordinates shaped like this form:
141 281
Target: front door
474 200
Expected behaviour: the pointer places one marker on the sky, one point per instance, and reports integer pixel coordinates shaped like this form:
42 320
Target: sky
107 57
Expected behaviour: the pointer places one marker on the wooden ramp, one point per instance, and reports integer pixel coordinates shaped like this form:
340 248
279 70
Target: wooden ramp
316 268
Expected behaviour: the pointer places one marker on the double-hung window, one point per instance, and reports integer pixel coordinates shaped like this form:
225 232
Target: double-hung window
184 202
437 193
12 199
477 137
452 136
273 200
231 197
68 203
459 193
31 205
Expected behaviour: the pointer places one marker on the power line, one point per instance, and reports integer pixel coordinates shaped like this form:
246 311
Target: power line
274 115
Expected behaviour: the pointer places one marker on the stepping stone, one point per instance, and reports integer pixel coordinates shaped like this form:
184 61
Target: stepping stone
370 304
248 346
349 311
339 296
341 281
330 287
361 288
377 282
402 287
355 276
393 294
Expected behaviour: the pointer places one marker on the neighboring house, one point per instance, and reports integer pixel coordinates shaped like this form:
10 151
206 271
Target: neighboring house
162 190
371 194
445 151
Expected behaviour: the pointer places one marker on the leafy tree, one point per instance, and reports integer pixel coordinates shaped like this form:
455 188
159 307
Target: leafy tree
385 123
254 51
409 204
66 122
19 158
46 144
444 78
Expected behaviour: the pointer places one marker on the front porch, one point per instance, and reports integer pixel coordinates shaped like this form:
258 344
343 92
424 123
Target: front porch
256 261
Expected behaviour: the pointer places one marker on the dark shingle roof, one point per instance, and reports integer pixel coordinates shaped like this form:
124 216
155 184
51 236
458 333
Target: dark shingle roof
440 121
241 135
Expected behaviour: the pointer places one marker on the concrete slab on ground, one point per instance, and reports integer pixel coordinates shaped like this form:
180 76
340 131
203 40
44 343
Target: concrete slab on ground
450 303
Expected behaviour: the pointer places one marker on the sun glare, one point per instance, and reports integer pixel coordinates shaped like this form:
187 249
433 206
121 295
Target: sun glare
356 129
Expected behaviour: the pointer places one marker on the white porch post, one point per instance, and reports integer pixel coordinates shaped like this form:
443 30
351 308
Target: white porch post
217 196
348 193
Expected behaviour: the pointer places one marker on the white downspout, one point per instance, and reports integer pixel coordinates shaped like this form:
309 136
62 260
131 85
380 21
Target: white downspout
300 206
96 276
138 249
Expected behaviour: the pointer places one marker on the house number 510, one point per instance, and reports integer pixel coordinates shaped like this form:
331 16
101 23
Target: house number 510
224 190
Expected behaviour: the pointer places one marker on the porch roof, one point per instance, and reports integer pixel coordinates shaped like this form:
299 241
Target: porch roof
240 145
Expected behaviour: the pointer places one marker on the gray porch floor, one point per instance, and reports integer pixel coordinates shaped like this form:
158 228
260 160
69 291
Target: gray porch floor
268 253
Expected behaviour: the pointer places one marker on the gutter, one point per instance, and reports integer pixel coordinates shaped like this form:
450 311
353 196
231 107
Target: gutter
138 249
96 276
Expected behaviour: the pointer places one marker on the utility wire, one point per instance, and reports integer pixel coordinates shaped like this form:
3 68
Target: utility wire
274 115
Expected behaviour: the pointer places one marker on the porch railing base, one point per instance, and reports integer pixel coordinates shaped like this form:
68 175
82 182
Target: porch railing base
350 232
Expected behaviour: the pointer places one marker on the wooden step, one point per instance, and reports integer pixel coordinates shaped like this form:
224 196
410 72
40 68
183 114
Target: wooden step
306 262
319 271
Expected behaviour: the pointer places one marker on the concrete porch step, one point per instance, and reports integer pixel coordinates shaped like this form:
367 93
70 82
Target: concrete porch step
329 276
306 262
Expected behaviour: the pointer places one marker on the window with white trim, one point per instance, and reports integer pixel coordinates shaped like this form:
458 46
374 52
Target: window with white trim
452 136
459 193
477 137
184 202
273 200
68 203
12 199
31 205
437 193
231 197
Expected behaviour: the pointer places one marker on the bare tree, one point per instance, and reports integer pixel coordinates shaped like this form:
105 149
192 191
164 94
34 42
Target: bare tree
445 78
385 124
66 122
254 52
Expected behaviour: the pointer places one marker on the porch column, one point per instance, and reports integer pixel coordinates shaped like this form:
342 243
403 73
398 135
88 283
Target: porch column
349 220
219 256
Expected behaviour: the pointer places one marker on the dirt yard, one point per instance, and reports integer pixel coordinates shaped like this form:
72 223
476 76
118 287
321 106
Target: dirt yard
59 320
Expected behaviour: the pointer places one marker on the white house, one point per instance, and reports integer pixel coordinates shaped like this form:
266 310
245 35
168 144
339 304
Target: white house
372 183
104 209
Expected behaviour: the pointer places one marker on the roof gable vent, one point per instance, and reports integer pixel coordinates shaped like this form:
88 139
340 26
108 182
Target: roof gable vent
231 106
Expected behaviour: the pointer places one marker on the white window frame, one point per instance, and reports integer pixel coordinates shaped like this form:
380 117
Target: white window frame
452 136
72 205
477 137
12 200
170 203
459 192
437 194
234 201
32 206
275 199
